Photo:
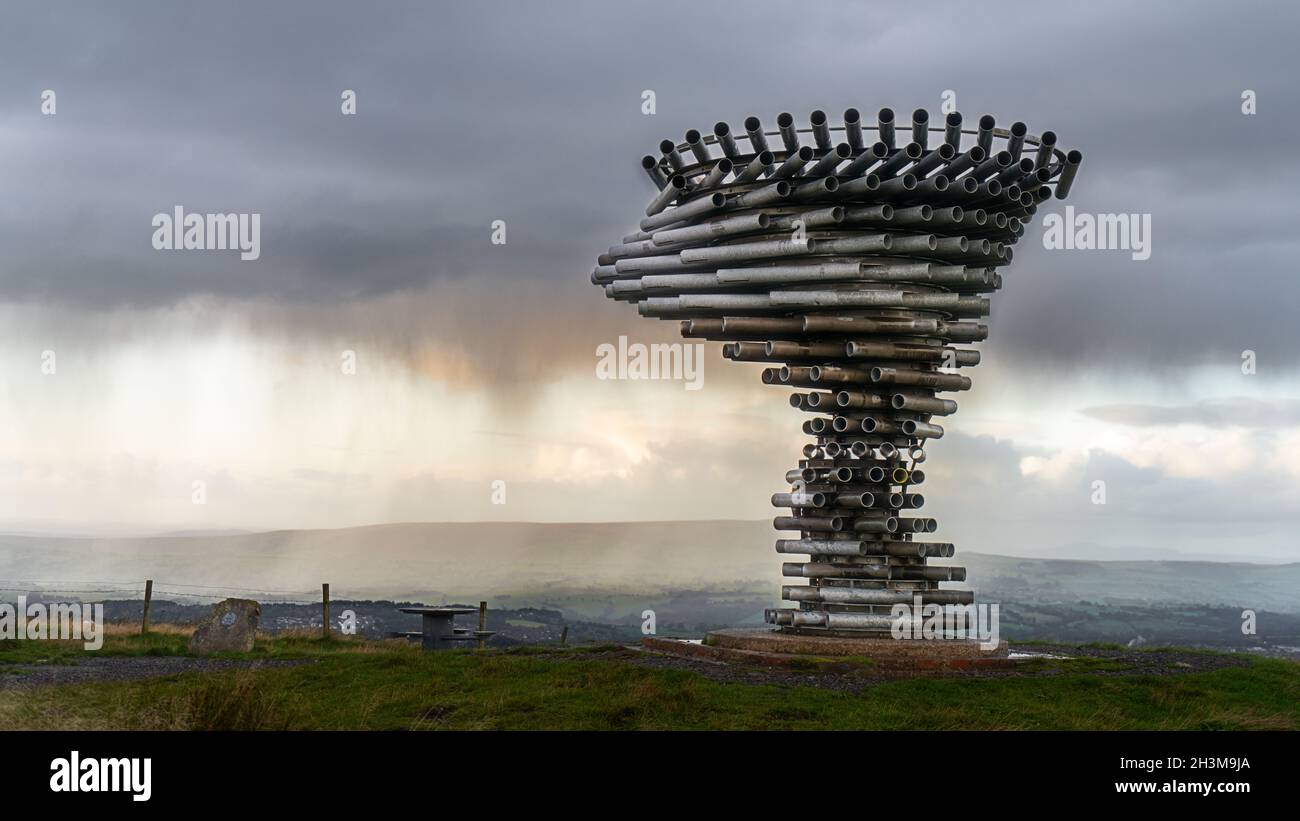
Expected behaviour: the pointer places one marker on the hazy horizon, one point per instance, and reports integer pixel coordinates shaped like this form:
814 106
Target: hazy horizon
759 547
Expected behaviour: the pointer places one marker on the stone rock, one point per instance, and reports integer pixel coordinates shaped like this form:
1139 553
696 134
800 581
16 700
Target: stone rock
229 628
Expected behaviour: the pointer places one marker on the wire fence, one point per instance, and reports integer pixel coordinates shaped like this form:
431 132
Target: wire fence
87 590
52 591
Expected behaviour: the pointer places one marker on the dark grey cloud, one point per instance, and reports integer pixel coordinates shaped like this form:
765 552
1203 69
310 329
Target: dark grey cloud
529 112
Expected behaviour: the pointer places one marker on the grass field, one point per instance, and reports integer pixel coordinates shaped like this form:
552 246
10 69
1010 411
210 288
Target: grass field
368 685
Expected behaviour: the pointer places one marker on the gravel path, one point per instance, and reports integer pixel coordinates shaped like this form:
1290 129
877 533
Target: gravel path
122 668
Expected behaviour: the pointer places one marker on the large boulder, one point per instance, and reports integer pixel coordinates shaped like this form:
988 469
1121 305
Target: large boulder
229 628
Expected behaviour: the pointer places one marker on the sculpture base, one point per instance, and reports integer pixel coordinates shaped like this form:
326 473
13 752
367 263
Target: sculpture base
767 647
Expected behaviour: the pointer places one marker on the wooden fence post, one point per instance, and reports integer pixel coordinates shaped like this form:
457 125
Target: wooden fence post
325 610
148 597
482 622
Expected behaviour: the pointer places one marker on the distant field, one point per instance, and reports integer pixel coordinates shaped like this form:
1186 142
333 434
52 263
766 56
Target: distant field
352 684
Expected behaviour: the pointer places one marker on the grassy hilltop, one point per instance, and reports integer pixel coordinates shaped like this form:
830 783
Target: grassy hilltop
386 685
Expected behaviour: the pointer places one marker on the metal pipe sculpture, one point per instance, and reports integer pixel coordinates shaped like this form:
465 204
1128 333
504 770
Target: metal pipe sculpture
851 270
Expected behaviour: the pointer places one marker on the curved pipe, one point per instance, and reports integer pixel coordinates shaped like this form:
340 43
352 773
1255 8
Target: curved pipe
984 137
821 129
952 130
789 134
669 149
722 133
695 143
1016 142
754 129
885 127
853 128
651 167
921 128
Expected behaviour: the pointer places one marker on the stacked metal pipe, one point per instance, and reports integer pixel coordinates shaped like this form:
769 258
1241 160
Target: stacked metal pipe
852 269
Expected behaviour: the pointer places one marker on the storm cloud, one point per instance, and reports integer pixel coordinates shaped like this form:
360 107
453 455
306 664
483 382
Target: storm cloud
531 113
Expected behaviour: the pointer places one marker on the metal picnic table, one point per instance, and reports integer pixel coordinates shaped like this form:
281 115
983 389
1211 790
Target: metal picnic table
438 630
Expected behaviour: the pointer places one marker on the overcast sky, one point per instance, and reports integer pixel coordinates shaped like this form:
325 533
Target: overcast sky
475 362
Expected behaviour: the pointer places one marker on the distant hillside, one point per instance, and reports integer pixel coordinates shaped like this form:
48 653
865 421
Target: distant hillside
1257 586
398 560
534 562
